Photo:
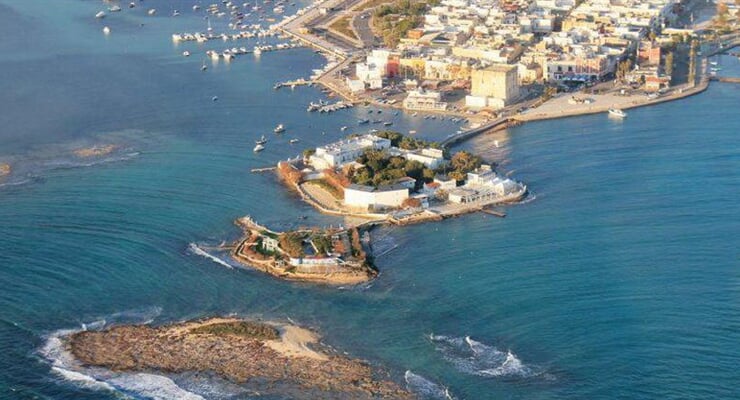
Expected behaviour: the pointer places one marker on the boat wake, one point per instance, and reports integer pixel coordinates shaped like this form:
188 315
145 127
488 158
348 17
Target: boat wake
195 249
476 358
426 388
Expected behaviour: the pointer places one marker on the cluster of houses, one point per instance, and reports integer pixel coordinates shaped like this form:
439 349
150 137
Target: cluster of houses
494 47
482 185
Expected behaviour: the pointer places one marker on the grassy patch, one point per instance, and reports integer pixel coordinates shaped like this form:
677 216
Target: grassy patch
329 188
247 329
342 25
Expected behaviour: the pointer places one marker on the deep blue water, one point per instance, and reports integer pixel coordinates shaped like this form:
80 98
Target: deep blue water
619 279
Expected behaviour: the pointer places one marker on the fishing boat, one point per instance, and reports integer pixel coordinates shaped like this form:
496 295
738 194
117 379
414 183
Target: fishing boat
617 113
388 123
258 148
261 140
344 128
279 129
362 121
293 141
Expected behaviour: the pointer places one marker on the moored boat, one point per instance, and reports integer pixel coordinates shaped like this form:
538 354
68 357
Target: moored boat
617 113
261 140
258 148
279 129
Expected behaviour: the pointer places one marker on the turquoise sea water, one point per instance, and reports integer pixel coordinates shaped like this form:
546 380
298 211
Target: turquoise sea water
618 279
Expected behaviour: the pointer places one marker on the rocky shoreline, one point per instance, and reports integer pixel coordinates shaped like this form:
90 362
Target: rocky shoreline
5 169
266 356
95 151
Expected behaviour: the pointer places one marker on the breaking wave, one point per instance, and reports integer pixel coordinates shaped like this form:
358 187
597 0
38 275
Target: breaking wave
124 385
152 386
476 358
193 248
69 164
426 388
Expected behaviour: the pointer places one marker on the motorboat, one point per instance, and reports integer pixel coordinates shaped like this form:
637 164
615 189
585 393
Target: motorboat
279 129
100 14
114 9
363 121
344 128
186 53
388 123
261 140
293 141
106 30
617 113
258 148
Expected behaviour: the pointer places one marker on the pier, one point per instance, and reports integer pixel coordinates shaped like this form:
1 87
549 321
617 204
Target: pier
726 79
264 169
294 83
454 139
495 213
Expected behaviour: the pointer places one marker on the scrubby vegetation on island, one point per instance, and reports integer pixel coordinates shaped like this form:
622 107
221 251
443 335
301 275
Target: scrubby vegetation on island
248 329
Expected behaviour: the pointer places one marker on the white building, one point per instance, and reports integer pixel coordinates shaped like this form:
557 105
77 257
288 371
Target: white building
431 158
484 185
424 100
368 197
345 151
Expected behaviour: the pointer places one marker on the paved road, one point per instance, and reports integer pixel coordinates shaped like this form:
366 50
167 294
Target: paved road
362 26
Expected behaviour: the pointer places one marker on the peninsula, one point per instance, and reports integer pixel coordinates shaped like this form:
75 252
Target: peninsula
271 358
332 256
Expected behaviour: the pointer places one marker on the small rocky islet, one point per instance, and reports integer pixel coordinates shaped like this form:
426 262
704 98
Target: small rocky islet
268 357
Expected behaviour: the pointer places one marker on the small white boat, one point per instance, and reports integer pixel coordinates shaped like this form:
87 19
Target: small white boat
106 30
114 9
279 129
344 128
293 141
258 148
196 7
131 5
214 98
175 13
186 53
203 67
412 132
151 11
617 113
100 14
261 141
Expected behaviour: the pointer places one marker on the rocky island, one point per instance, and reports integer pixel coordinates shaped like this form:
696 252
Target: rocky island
268 357
333 256
4 169
95 151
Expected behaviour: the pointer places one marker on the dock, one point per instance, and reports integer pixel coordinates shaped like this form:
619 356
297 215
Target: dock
495 213
726 79
264 169
454 139
294 83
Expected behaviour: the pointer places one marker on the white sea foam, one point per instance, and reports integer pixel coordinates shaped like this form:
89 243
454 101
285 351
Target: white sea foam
426 388
193 248
476 358
156 387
